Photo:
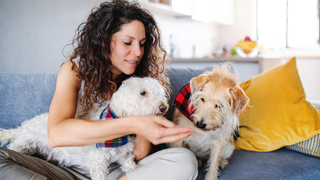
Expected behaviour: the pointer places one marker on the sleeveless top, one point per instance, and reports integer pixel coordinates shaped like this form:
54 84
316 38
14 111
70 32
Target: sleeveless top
81 94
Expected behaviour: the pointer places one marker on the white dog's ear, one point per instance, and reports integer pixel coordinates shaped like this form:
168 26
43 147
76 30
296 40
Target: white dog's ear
239 100
197 83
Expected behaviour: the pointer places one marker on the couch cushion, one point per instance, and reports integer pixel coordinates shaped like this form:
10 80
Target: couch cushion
310 146
23 96
278 114
279 164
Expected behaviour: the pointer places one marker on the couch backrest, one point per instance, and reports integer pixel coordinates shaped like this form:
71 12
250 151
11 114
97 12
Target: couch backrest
23 96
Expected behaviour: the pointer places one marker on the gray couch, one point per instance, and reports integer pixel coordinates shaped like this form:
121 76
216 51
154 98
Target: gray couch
24 96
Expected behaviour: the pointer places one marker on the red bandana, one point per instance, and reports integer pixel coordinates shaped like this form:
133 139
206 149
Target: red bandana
182 101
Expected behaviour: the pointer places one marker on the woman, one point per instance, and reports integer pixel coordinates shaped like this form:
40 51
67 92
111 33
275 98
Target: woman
118 40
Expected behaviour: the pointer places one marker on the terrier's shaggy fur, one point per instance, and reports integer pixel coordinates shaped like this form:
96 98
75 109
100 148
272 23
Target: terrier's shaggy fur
136 96
217 100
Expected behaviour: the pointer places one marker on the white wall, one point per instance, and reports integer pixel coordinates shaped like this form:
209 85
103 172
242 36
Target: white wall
309 71
33 32
187 33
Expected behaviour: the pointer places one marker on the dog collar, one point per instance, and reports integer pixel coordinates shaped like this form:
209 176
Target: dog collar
182 101
106 114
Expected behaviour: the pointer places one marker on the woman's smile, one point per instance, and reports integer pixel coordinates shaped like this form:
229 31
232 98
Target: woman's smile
133 62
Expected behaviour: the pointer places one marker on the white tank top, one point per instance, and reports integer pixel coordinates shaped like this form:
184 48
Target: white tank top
81 94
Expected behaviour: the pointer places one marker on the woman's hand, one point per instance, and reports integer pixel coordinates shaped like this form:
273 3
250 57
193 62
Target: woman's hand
157 129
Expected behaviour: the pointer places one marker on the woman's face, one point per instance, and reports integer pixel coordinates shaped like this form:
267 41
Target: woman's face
127 48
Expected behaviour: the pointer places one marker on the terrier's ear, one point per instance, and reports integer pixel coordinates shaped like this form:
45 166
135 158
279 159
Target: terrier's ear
197 83
239 100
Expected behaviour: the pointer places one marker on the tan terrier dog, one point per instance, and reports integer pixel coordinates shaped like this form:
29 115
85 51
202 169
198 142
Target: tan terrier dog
210 105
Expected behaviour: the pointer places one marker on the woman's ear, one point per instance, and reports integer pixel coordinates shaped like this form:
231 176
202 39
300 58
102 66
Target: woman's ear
197 83
239 100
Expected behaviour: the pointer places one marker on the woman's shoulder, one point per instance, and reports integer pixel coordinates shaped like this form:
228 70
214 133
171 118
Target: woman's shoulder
69 73
70 65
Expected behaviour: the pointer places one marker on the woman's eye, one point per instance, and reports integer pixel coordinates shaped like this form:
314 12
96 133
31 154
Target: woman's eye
127 43
143 93
141 45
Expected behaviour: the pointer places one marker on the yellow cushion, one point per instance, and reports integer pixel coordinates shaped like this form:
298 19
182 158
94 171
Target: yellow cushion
278 114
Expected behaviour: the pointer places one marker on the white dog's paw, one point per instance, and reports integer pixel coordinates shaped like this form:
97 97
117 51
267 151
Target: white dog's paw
128 166
98 169
98 175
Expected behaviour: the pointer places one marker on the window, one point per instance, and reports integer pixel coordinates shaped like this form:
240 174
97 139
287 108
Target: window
288 23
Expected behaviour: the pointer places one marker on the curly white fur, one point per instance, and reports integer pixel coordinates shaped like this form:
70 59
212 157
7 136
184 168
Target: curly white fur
136 96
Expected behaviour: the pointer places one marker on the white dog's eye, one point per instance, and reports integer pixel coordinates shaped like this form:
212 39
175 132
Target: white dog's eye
202 99
143 93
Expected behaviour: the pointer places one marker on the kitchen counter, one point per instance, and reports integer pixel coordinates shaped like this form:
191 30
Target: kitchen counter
263 62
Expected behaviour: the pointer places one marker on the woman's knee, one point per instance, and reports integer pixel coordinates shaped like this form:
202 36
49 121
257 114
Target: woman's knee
186 162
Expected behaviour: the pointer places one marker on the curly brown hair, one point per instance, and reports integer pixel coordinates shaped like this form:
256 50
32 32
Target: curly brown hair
93 39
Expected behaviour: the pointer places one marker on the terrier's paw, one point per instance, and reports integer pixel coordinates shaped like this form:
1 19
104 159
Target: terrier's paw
223 163
211 176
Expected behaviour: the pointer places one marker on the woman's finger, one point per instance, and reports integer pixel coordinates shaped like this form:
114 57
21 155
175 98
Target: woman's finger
175 131
174 138
168 135
165 122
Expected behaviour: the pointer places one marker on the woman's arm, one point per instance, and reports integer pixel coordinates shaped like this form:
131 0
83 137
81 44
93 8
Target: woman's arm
65 130
142 148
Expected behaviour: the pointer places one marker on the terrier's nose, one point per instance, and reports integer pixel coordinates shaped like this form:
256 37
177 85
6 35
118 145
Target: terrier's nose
201 125
162 108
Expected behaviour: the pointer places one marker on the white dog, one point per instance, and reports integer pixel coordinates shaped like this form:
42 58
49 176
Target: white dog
136 96
210 105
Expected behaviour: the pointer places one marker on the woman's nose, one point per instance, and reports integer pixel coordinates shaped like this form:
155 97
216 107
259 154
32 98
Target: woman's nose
137 50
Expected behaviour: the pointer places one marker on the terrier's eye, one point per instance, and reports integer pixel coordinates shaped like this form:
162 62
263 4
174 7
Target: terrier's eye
143 93
202 99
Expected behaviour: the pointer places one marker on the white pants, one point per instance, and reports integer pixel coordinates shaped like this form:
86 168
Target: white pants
167 164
